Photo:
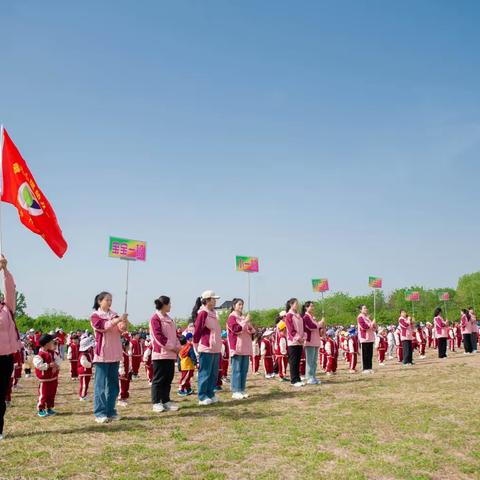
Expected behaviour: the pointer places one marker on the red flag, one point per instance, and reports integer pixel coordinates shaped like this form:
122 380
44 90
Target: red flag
21 190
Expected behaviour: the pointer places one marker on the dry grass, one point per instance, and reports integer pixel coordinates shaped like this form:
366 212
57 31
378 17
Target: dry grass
414 423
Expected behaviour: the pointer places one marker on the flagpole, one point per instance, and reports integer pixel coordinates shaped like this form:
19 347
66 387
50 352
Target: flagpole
248 303
374 303
1 186
126 288
323 307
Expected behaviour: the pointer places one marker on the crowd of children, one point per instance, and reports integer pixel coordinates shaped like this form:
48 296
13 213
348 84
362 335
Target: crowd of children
43 354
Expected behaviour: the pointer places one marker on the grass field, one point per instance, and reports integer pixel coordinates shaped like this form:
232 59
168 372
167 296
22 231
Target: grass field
407 423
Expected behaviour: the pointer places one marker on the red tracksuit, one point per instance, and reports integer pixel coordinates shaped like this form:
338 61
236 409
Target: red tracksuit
459 337
398 346
125 376
17 371
303 363
255 358
331 348
429 336
281 354
352 354
422 342
224 360
382 348
147 360
73 357
137 354
84 372
47 388
323 354
267 354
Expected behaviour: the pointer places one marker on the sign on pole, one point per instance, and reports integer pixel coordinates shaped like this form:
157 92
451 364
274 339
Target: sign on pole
249 265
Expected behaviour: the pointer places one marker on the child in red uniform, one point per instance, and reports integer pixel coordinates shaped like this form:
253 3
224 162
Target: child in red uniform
18 366
452 330
125 374
47 366
281 351
331 349
147 359
136 353
303 364
85 362
352 350
72 356
382 345
322 352
398 345
255 358
421 340
266 352
225 358
187 361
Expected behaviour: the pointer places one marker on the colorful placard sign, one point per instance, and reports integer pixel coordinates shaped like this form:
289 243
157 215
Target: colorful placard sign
412 296
320 285
374 282
246 264
444 297
127 249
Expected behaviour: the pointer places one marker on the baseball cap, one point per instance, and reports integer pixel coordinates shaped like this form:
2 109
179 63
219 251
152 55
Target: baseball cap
209 294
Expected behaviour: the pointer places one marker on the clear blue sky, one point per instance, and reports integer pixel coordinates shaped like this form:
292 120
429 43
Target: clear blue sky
331 139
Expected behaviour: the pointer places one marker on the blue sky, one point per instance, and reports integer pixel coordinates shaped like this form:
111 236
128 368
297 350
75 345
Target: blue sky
331 139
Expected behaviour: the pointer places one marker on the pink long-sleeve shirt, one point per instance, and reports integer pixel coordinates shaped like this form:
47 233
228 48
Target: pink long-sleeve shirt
312 330
164 337
406 329
239 334
208 333
366 329
9 337
466 325
295 330
108 337
441 329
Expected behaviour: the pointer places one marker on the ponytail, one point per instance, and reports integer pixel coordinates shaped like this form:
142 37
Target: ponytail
98 299
198 303
161 301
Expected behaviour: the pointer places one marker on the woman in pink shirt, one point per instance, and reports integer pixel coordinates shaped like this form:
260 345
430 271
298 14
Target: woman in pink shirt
108 327
239 335
441 332
312 341
165 347
471 311
295 341
466 324
207 341
9 337
366 336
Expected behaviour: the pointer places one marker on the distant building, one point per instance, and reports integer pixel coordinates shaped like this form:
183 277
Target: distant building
227 305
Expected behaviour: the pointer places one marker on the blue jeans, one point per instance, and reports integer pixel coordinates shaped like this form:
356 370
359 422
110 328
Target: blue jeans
240 364
106 389
208 374
311 355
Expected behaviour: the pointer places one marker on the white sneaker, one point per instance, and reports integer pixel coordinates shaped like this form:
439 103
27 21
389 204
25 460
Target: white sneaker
122 403
170 407
298 384
158 407
207 401
215 399
1 437
102 419
313 381
245 395
237 396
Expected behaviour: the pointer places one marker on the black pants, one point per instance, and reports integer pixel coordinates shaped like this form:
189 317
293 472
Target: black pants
6 369
474 341
163 373
294 356
467 342
407 352
367 355
442 347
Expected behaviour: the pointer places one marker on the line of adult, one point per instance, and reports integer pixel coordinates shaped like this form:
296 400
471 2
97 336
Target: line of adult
467 327
312 341
108 327
9 337
295 341
406 337
166 346
366 336
239 335
207 341
441 332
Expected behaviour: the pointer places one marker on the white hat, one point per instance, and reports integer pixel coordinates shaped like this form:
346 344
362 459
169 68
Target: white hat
267 332
283 313
32 330
86 343
209 294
